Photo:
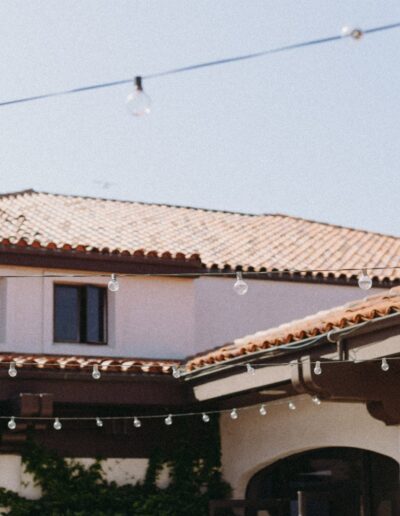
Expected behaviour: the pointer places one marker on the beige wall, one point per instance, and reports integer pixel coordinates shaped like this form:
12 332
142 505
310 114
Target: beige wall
160 317
252 441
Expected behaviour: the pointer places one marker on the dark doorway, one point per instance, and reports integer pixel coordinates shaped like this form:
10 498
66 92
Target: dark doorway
329 482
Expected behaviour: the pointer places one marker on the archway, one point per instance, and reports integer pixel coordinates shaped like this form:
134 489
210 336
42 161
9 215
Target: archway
333 481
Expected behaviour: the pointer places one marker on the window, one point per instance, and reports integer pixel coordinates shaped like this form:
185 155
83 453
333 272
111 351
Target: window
80 314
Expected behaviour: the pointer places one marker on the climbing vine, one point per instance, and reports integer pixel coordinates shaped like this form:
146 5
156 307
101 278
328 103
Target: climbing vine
69 488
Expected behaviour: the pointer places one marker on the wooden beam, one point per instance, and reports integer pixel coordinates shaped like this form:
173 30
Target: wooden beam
362 382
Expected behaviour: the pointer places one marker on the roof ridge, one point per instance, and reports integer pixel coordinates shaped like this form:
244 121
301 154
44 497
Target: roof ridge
144 203
197 208
18 193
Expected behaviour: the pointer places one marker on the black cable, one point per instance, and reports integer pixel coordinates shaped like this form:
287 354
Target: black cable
206 64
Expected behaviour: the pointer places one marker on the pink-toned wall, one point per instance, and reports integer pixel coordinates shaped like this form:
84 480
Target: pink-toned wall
159 317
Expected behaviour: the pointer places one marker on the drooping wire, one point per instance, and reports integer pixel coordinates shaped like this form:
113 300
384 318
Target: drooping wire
190 68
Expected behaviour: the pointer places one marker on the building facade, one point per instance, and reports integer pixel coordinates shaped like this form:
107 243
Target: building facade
60 324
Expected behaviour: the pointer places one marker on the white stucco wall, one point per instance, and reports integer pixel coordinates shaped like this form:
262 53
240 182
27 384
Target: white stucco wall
121 471
159 317
252 441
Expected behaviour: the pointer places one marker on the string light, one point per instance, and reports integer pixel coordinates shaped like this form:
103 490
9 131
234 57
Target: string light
233 413
317 368
176 372
364 281
96 373
250 369
113 285
384 365
240 286
138 102
12 370
352 32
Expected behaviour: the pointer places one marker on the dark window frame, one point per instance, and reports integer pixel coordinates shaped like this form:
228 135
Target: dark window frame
82 314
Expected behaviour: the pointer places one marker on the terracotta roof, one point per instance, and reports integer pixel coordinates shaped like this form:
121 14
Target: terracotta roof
219 239
345 316
81 363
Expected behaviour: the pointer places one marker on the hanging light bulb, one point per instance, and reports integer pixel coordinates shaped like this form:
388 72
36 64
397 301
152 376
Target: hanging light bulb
168 420
113 285
240 286
291 405
316 400
12 370
176 372
250 369
12 424
99 422
205 417
137 102
234 414
137 423
384 365
317 368
96 373
262 410
351 32
57 424
364 281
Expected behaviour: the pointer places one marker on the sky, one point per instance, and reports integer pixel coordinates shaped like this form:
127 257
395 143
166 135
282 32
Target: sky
312 133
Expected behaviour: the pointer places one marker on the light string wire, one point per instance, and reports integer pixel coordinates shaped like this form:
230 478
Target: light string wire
177 366
210 272
267 405
207 64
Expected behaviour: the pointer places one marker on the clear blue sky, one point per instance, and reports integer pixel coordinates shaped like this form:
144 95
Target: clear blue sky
312 133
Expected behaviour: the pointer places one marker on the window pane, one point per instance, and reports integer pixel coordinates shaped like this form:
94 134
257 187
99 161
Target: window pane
66 316
95 320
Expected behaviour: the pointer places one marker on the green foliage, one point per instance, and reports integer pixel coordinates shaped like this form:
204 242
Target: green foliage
68 488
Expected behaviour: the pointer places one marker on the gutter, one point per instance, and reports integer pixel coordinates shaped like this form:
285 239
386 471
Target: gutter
330 337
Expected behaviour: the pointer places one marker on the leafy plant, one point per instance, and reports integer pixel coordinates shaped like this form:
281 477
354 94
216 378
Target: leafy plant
69 488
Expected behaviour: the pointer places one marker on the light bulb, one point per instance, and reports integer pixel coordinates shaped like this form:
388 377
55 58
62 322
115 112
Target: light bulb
351 32
12 424
137 102
364 281
234 414
262 410
57 424
12 370
384 365
113 285
168 420
250 369
96 373
137 423
99 422
317 368
316 400
240 286
291 405
205 417
176 372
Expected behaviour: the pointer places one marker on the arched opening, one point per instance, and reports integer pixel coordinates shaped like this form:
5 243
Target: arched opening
333 481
